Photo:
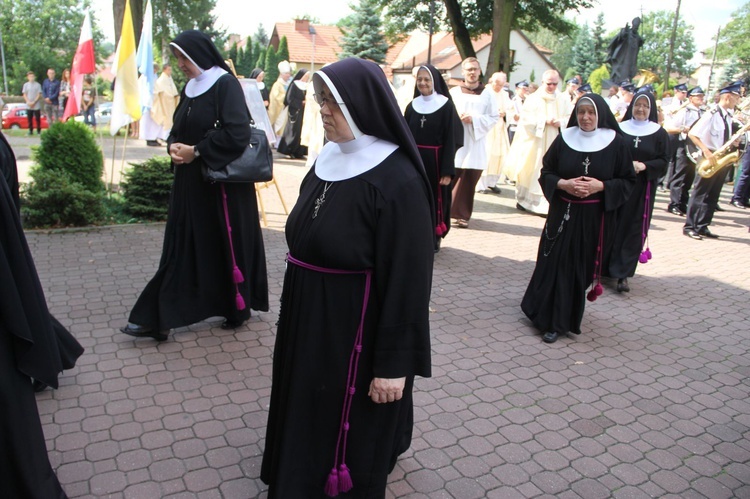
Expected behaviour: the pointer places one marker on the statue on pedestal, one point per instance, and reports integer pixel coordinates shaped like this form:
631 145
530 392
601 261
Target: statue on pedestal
623 52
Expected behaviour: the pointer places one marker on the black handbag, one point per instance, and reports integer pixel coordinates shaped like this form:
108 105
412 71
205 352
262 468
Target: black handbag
254 165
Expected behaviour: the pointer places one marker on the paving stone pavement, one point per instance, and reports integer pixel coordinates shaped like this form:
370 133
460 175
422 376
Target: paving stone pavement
652 400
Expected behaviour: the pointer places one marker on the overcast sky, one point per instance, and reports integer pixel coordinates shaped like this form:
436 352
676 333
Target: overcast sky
243 17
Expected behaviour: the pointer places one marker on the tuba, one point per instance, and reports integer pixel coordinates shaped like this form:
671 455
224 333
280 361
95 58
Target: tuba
644 77
725 155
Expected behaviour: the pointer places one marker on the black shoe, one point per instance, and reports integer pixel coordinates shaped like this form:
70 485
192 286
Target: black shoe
438 241
692 234
519 207
144 332
737 204
707 233
718 207
622 285
153 143
495 189
228 324
675 211
550 337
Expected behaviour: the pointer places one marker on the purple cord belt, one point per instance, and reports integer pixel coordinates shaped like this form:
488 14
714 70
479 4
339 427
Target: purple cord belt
339 479
596 281
440 227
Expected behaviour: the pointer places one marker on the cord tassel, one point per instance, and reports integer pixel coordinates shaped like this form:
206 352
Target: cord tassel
332 484
345 479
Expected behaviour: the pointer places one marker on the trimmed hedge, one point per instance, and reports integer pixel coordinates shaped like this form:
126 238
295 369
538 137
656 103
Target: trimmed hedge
53 200
66 187
147 187
71 147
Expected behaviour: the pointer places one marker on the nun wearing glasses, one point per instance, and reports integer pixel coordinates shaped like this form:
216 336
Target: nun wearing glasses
353 329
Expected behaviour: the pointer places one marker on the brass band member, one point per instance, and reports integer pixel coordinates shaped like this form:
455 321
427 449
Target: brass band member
678 123
711 132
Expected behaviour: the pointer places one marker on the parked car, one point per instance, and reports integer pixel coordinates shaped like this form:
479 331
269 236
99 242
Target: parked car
103 114
14 117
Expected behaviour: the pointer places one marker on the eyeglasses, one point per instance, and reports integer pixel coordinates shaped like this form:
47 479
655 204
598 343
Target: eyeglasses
322 100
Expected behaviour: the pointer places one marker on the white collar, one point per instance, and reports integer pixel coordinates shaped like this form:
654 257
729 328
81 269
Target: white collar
638 128
201 83
428 104
341 161
593 141
302 85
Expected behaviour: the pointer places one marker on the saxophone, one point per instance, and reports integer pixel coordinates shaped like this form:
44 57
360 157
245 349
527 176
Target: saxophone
725 155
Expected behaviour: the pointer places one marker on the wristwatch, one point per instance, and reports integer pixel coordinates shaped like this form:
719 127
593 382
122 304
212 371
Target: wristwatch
196 152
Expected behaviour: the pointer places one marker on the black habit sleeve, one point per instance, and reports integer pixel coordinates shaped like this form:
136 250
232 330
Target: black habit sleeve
656 167
9 170
447 167
549 176
618 188
222 146
403 280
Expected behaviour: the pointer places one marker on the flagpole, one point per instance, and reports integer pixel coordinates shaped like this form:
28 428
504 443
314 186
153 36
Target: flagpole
112 168
124 148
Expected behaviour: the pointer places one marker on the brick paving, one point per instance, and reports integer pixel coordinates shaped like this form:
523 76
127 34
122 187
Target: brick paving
652 400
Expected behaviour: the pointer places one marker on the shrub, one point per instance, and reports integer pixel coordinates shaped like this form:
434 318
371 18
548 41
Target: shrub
52 199
71 147
146 189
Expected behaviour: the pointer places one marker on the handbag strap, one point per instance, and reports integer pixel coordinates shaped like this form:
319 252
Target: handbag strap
217 123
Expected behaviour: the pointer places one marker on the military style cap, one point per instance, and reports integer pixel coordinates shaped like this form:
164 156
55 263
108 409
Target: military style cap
682 87
696 91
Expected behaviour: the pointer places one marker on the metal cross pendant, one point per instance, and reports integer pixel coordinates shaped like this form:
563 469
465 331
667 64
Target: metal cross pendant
637 141
421 122
586 164
318 203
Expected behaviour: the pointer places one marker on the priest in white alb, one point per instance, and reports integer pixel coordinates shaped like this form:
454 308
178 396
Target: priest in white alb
498 142
478 112
544 113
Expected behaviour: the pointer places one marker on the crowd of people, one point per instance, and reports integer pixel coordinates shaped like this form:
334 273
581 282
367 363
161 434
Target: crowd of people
384 189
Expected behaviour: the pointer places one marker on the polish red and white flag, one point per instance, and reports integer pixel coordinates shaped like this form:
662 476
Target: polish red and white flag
83 64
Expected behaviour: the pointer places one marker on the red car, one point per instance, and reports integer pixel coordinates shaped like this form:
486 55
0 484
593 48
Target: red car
14 117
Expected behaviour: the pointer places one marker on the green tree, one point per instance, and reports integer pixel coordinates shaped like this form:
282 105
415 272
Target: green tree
171 17
363 34
597 76
560 45
233 53
734 39
271 65
584 61
600 45
471 19
656 30
41 34
261 61
282 52
248 57
260 36
730 71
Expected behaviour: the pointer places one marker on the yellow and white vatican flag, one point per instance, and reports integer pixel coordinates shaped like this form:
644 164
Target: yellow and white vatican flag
126 106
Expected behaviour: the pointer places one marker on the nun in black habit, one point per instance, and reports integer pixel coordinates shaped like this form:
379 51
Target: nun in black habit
587 174
31 347
259 75
294 100
649 147
437 130
353 331
202 273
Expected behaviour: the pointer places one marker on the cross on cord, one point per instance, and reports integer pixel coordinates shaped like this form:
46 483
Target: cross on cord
586 164
637 141
421 122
